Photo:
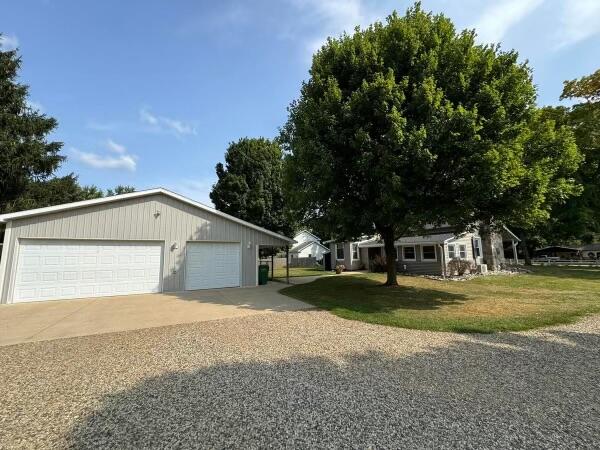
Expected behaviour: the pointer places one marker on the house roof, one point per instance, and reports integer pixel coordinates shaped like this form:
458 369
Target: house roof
557 248
131 195
305 244
512 235
593 247
410 240
317 238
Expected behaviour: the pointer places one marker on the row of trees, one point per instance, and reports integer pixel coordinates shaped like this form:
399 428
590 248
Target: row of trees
577 218
28 161
410 123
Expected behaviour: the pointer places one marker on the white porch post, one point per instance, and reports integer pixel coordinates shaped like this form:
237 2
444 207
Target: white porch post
287 264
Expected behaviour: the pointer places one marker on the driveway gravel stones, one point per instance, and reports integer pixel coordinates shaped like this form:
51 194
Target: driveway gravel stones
304 379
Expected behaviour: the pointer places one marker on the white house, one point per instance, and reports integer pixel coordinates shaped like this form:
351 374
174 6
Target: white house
426 254
308 246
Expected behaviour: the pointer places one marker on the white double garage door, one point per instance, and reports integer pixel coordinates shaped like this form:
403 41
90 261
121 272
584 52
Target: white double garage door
63 269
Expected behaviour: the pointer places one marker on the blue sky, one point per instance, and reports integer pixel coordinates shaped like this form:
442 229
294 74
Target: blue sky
149 93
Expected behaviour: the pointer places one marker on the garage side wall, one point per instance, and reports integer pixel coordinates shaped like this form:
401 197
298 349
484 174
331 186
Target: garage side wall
157 218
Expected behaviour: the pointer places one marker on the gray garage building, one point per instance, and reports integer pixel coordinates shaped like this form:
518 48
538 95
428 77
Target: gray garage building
147 241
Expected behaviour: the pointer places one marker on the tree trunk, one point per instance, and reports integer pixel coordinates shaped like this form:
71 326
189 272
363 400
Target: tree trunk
525 250
390 256
491 246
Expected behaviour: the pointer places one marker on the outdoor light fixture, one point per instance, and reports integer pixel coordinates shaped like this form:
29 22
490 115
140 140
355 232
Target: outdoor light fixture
249 244
174 246
157 213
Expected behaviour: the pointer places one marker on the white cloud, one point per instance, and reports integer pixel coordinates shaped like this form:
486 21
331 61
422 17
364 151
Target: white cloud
580 19
161 123
148 118
178 126
8 42
495 21
333 17
115 148
126 162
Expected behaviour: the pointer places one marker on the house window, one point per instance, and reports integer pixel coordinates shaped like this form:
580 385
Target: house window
339 251
408 253
309 255
477 247
462 249
451 251
428 252
354 251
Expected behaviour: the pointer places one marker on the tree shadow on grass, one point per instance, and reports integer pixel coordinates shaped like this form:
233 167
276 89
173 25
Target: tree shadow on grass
363 295
505 390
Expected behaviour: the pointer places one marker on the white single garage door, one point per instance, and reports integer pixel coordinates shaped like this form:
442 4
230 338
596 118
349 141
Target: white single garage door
60 269
211 265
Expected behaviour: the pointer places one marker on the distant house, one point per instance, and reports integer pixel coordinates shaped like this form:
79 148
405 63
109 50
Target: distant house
429 253
591 251
308 246
557 251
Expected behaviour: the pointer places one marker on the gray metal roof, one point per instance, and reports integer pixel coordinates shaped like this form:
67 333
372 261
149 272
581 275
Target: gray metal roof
411 240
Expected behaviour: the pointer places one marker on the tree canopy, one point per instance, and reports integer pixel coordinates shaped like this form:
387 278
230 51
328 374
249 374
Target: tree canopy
120 189
249 185
579 218
410 122
25 153
587 87
54 191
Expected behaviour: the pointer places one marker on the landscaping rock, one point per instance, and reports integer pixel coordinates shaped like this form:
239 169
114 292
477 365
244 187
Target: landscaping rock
303 380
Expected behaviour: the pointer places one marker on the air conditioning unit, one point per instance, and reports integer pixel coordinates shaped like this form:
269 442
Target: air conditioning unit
482 268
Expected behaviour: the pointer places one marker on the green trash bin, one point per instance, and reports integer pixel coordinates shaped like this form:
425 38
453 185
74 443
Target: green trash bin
263 274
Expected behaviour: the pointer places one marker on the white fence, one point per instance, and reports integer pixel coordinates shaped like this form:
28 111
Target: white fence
566 262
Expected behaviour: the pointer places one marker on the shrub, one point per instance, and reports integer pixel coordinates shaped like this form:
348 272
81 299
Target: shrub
457 266
340 268
379 264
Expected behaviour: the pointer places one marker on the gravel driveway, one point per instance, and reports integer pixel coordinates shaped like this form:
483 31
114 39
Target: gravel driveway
303 379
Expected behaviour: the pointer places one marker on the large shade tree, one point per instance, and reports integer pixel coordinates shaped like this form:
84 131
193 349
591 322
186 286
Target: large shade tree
249 185
408 123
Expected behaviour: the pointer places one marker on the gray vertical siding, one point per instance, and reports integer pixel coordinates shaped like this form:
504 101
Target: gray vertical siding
419 266
136 219
347 261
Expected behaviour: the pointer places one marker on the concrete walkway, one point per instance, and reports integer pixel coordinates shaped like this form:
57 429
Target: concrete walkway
27 322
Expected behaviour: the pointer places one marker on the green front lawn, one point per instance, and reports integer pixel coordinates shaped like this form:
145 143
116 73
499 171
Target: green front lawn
548 296
301 272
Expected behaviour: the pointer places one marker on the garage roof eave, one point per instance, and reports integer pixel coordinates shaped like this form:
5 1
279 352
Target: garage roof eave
4 218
